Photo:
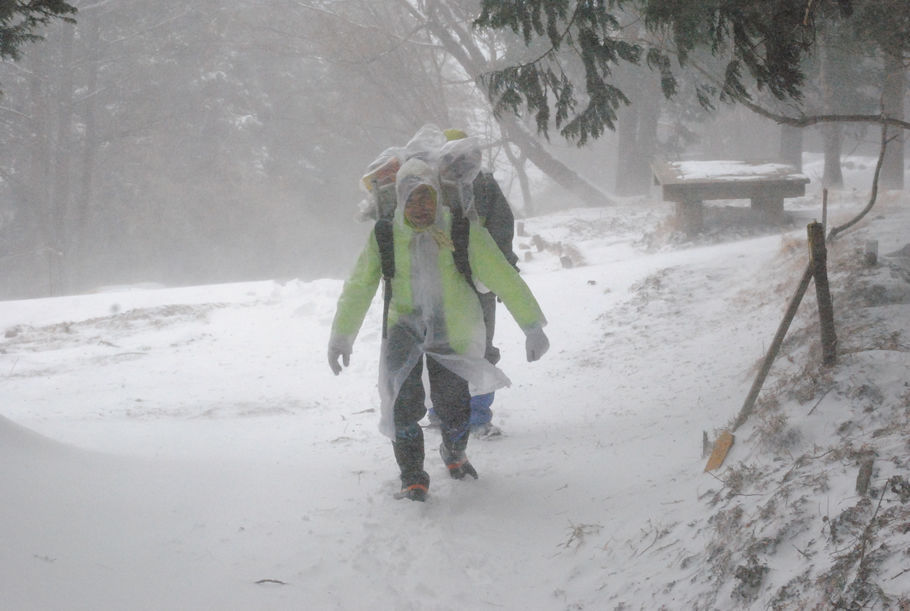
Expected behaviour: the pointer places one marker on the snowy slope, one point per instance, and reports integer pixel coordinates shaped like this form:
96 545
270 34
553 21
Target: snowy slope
189 448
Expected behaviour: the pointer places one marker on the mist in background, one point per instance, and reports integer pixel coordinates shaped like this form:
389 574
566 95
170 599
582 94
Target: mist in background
192 143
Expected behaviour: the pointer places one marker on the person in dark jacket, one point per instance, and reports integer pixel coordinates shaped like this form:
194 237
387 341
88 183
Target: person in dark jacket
496 216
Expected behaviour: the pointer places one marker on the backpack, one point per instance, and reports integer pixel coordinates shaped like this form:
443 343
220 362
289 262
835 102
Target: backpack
458 164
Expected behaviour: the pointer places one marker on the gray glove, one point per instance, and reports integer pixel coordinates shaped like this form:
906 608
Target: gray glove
536 343
339 347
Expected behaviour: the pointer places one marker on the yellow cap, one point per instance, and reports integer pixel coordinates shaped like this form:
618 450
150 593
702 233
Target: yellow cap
454 134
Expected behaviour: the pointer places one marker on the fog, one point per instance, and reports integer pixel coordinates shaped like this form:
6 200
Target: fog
187 143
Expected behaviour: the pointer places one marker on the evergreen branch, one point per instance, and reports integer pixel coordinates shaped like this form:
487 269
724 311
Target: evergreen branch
554 46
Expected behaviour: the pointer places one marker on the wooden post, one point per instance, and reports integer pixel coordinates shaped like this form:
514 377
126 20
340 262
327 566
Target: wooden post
746 410
825 210
721 449
870 253
818 254
864 475
691 216
769 206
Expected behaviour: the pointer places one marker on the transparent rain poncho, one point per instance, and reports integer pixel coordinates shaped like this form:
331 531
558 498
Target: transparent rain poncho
424 329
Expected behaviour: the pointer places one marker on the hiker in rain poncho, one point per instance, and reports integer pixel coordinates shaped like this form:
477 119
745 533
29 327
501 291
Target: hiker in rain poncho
433 312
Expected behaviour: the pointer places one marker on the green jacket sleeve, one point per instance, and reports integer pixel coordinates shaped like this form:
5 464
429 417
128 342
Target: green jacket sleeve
490 266
358 292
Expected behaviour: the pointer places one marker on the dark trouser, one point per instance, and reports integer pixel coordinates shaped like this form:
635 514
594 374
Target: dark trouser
451 400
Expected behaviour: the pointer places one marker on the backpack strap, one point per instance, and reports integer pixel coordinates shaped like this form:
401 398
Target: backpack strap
383 232
461 232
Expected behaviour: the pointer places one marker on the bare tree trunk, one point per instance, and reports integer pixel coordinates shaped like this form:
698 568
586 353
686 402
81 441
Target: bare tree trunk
648 117
83 203
552 167
791 146
518 162
831 133
637 133
893 90
627 155
40 218
61 194
833 176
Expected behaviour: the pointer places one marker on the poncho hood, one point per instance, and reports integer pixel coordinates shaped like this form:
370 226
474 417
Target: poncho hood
412 174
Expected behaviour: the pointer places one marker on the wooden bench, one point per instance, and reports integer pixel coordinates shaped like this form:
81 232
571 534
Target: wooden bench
690 183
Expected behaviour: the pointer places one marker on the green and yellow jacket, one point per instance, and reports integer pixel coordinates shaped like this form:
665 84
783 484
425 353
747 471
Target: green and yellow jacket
460 308
433 309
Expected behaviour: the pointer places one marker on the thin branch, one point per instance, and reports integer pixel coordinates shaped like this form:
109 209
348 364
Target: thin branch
19 67
324 11
402 40
155 26
15 112
822 398
656 537
89 7
443 31
867 532
808 12
805 120
469 56
878 168
809 120
805 555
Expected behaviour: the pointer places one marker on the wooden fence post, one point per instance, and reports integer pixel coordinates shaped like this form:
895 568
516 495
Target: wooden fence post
746 410
818 256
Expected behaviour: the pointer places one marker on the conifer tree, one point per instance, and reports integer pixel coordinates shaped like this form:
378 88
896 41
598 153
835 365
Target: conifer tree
20 20
756 45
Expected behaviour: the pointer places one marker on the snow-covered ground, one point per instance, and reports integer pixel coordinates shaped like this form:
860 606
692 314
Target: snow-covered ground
190 449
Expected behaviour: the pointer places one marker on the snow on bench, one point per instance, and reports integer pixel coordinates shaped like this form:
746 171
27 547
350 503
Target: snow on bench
689 183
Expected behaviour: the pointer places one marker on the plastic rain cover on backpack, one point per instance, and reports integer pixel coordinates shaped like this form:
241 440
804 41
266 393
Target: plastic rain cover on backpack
457 163
379 184
425 143
424 330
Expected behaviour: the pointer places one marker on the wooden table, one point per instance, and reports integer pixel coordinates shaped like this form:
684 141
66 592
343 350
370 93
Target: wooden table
690 183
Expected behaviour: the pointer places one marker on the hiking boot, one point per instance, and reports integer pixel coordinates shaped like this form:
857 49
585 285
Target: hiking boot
414 486
457 463
487 430
414 492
